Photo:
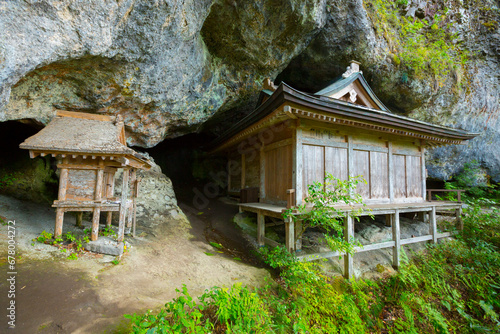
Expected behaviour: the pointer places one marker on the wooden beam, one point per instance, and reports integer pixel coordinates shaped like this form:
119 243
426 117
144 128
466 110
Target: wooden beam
271 242
348 258
416 239
279 144
396 237
82 115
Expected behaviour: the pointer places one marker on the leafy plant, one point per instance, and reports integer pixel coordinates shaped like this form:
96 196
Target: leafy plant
320 209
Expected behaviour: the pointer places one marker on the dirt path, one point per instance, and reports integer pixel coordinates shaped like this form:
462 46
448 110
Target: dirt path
90 295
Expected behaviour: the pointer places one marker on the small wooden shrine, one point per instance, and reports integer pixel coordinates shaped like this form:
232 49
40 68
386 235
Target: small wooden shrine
294 138
90 149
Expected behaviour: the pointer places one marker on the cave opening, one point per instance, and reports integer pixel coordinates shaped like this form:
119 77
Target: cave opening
185 161
20 176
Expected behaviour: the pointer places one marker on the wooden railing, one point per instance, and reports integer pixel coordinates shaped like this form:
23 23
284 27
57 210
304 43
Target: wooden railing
458 191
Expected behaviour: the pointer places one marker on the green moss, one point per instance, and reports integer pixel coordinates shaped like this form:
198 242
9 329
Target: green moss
421 47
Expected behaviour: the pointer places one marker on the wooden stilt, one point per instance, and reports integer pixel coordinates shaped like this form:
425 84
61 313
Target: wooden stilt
123 205
109 219
458 215
261 229
433 225
388 220
396 237
290 234
59 222
298 234
134 204
95 224
133 177
79 219
348 258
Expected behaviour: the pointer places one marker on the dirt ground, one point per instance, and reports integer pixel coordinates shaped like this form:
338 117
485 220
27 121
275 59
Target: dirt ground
91 294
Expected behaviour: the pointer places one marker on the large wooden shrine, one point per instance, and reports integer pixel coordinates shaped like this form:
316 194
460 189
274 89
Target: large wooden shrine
294 138
90 149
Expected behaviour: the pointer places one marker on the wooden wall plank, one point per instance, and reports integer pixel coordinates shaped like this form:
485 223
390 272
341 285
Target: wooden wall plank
336 162
362 168
414 175
313 166
278 170
379 177
399 168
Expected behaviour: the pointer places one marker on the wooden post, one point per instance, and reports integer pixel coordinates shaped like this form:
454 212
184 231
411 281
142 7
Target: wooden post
243 174
458 215
290 234
433 225
261 229
123 205
133 179
298 165
422 162
348 258
63 182
350 160
262 190
95 224
388 220
290 201
109 219
396 237
79 219
134 203
228 174
298 234
390 167
59 222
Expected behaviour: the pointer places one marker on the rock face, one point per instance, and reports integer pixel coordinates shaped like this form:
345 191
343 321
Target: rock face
410 74
146 60
156 196
170 65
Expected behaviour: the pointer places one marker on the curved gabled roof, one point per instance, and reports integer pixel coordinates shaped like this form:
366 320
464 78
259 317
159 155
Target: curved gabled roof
340 83
352 113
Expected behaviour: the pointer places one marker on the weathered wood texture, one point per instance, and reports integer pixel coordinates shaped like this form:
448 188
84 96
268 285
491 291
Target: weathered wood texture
393 172
278 173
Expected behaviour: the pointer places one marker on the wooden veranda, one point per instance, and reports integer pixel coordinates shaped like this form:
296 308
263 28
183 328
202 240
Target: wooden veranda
426 210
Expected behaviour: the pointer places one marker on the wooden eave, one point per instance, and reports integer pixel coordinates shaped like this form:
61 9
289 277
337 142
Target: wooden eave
114 160
293 103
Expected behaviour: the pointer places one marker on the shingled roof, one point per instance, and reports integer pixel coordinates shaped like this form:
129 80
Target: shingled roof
70 134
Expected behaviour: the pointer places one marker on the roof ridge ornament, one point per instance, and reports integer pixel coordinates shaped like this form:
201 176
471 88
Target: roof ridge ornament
351 69
268 84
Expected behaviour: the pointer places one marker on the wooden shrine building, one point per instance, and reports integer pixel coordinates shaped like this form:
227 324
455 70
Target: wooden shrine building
294 138
89 150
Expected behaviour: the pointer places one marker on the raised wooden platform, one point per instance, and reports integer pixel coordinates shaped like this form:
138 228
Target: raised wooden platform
391 210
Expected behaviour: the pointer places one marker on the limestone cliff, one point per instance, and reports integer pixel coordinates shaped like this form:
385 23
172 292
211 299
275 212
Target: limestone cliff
168 66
